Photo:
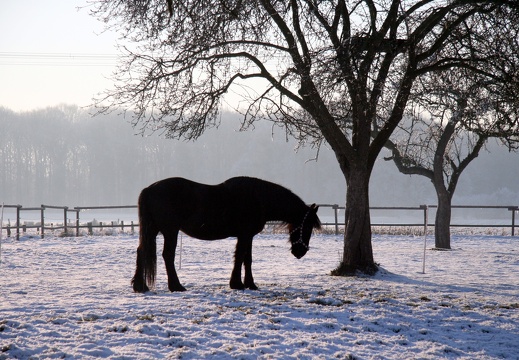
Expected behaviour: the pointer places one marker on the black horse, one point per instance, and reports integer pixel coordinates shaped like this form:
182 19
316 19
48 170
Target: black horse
239 208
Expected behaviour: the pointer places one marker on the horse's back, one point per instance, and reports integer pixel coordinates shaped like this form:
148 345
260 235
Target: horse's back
179 186
173 198
238 206
173 183
234 192
252 188
199 210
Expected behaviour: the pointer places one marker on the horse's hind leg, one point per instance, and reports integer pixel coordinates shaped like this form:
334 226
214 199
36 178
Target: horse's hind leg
170 246
138 281
146 256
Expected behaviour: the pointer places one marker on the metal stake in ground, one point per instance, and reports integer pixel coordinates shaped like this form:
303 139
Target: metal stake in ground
1 231
425 225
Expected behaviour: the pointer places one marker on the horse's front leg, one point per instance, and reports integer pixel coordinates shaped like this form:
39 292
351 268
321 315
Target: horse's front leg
170 246
243 256
239 255
249 280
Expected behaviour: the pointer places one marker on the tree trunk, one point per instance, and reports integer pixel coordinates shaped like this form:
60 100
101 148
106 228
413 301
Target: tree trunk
358 253
442 233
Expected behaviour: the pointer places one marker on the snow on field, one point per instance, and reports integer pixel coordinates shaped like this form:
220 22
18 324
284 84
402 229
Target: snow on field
71 298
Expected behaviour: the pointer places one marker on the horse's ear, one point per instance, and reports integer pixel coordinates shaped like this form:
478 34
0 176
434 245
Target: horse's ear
314 208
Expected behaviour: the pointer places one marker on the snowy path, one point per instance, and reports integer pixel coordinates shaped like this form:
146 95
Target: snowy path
71 298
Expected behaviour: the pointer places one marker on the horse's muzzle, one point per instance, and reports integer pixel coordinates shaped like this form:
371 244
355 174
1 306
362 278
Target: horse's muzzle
299 251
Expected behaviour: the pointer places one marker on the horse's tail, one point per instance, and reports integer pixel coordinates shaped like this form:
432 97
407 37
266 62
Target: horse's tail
147 251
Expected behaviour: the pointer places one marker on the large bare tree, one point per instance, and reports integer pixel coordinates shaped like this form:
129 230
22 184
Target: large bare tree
451 114
321 69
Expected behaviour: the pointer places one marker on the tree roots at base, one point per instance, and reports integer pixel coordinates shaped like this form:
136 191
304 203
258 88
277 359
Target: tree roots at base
348 270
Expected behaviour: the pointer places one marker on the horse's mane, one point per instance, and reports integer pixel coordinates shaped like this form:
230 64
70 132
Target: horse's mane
316 224
281 195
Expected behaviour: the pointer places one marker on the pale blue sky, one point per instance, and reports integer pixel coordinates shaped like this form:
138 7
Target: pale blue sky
37 66
49 35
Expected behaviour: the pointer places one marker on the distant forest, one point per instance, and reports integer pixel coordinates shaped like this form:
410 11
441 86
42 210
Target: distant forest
65 156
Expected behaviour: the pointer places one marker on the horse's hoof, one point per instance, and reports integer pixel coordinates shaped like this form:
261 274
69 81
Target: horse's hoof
141 291
139 286
252 287
237 286
177 288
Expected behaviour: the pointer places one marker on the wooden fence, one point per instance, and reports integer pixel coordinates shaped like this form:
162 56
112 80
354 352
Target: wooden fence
70 222
425 212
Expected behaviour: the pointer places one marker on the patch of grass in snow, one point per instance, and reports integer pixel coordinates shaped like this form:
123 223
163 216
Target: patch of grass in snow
88 318
509 306
329 302
146 317
118 328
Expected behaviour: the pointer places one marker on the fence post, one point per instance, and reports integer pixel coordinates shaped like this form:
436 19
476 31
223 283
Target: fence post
335 210
42 221
18 208
77 223
513 209
65 209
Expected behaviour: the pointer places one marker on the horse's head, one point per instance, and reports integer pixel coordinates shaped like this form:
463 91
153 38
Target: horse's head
300 233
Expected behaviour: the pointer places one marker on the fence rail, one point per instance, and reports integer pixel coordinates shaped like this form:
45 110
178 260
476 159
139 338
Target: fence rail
68 223
424 209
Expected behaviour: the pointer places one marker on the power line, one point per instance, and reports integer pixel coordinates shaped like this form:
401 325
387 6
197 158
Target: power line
63 59
56 59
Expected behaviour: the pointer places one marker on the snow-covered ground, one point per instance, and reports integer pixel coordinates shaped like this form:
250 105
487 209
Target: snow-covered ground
71 298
